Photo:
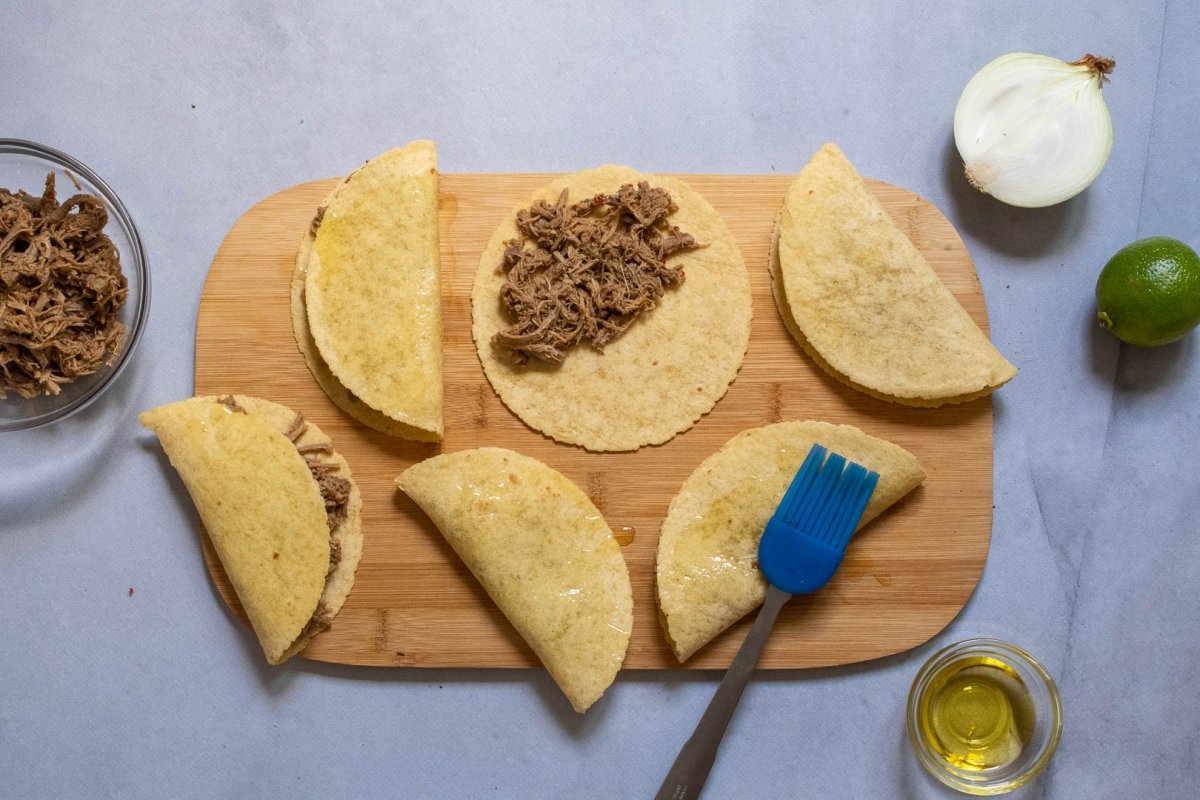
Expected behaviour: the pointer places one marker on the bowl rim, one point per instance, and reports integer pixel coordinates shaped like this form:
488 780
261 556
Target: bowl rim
133 334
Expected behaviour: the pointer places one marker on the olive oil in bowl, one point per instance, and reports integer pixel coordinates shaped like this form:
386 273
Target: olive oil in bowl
977 714
984 717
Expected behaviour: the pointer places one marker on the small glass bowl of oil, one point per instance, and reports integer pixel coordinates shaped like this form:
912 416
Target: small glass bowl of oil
984 716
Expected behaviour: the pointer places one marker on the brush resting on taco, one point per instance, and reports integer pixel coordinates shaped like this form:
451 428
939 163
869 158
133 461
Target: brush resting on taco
707 569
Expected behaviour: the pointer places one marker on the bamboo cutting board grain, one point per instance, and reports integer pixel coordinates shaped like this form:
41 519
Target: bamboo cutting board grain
414 604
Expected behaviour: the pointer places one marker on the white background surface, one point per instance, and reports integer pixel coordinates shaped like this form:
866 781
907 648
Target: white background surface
194 113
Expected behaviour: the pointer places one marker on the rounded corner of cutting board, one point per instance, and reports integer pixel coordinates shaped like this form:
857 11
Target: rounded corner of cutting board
449 623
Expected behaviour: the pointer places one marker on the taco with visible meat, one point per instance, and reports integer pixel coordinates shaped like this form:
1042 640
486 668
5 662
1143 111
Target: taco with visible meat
279 506
613 310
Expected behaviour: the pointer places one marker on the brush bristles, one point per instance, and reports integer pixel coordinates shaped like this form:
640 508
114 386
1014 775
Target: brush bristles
858 491
812 517
797 492
826 500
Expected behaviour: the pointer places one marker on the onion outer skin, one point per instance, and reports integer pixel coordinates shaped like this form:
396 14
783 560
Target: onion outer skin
1033 130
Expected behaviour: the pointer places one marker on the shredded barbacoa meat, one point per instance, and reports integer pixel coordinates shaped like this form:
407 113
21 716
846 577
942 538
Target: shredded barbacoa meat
319 621
230 402
315 225
61 291
335 490
592 268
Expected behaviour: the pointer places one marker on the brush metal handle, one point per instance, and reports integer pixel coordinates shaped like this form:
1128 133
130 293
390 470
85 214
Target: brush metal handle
695 760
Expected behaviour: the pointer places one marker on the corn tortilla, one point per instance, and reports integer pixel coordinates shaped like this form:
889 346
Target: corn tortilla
862 300
707 567
662 374
263 512
544 554
366 295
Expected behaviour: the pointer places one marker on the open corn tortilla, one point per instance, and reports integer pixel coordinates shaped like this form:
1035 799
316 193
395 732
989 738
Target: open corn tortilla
366 296
264 513
864 303
544 554
662 374
707 568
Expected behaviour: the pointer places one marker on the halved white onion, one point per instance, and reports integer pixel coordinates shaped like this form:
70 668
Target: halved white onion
1034 130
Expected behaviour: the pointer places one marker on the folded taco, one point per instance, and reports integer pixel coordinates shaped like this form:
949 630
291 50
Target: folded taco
544 554
279 505
863 301
366 294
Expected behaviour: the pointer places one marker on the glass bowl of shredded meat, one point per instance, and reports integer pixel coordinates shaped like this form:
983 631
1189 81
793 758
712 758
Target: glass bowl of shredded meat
74 287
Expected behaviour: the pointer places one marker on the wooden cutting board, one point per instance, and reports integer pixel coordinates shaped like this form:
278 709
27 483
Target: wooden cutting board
414 604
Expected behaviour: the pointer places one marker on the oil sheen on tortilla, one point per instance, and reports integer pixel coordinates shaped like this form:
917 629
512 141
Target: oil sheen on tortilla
864 303
663 373
263 511
544 554
707 569
366 296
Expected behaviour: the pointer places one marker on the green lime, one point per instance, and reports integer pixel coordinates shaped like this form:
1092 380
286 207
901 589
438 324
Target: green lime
1149 292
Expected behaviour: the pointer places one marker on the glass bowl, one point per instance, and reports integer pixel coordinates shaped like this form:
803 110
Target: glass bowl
24 165
984 717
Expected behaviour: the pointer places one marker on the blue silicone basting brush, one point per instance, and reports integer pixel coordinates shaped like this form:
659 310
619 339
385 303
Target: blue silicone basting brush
800 549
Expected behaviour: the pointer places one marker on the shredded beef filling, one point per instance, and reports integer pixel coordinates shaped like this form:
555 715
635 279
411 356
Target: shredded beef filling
61 291
230 402
319 621
335 491
315 225
591 269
